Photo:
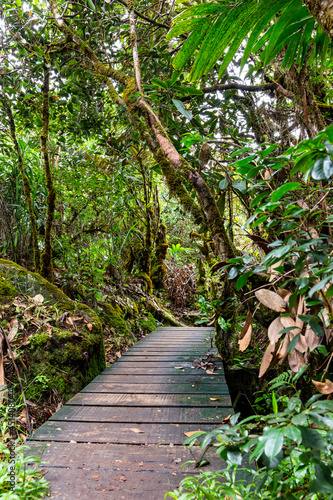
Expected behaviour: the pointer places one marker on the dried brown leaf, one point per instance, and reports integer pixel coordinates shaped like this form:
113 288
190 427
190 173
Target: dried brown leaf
190 433
282 351
324 387
296 360
246 339
301 345
300 310
38 299
137 431
269 358
311 338
271 300
274 330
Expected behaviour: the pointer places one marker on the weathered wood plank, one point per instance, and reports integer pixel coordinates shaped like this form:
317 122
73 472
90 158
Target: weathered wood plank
115 457
95 399
70 484
199 353
159 357
184 388
158 363
173 415
145 378
114 432
137 369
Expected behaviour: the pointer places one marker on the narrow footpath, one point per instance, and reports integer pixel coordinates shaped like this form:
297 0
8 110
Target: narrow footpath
121 436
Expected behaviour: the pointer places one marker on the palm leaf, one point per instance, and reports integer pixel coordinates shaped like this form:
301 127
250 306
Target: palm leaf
218 29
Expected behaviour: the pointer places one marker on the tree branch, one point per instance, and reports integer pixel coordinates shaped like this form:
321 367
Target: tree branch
142 16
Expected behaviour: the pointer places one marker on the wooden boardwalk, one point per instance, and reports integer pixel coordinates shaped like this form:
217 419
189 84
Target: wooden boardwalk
121 436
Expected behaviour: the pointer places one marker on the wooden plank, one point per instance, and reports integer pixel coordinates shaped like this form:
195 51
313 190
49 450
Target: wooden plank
136 415
156 379
162 367
113 457
159 363
114 432
70 484
95 399
137 369
161 357
199 353
184 388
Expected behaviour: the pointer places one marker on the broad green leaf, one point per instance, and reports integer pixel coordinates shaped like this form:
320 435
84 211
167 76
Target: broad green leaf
273 443
91 5
292 432
312 439
233 273
319 286
322 169
223 183
242 280
159 83
180 106
284 189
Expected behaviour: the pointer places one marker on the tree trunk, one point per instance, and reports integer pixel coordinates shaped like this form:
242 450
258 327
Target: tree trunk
47 267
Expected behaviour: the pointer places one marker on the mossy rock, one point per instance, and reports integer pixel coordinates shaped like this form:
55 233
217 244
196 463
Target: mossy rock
148 323
147 282
7 291
111 316
68 360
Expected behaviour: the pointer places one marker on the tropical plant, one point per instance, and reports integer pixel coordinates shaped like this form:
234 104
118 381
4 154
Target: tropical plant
224 25
285 454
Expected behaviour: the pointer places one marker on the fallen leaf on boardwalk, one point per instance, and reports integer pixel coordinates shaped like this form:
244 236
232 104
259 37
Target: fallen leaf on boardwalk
138 431
122 479
141 464
178 367
38 299
190 433
95 477
177 460
226 419
219 356
214 399
324 387
210 372
118 354
176 425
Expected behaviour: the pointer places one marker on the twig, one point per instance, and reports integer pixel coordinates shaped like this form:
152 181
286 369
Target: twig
18 376
269 284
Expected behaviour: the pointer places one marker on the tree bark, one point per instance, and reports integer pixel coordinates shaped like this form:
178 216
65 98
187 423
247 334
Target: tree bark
47 266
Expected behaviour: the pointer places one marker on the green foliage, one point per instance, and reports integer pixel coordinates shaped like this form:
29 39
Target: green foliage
218 30
277 455
19 480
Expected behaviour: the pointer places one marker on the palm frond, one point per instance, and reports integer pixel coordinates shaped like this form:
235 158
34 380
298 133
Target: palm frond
217 30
